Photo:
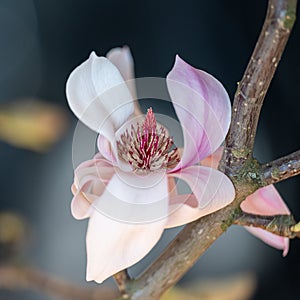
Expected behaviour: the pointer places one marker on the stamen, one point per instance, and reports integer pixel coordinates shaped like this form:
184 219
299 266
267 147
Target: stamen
147 146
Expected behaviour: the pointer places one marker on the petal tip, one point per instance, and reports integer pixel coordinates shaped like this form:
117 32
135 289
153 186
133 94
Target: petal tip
180 62
286 247
93 55
178 59
90 277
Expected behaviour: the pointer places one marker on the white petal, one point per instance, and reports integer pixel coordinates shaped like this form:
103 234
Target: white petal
133 198
105 149
183 209
98 95
122 59
113 246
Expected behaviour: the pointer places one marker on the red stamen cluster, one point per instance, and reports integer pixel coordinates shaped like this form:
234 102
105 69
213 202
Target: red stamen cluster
147 146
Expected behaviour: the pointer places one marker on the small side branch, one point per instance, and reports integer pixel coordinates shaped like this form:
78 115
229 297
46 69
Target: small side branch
16 279
282 225
281 169
122 278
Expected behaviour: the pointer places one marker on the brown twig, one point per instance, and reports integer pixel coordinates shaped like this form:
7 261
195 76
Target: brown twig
281 168
279 224
25 278
121 279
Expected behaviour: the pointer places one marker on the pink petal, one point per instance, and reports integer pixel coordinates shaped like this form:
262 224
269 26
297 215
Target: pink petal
98 95
212 189
271 239
113 246
80 204
95 169
89 183
203 108
267 201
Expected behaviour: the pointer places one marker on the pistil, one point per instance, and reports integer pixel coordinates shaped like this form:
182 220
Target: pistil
147 146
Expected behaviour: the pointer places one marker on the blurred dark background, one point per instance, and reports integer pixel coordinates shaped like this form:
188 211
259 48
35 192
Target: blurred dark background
42 41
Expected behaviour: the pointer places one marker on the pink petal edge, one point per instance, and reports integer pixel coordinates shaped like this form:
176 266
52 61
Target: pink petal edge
203 109
265 201
89 183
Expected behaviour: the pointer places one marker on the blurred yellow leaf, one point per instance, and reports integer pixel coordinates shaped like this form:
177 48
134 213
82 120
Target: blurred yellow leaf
239 287
13 235
178 294
32 124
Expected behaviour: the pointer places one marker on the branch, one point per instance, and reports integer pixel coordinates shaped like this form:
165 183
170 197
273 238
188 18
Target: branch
253 87
197 237
281 168
282 225
15 278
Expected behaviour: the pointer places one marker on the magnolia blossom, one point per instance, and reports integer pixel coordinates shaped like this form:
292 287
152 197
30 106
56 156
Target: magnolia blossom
265 201
128 189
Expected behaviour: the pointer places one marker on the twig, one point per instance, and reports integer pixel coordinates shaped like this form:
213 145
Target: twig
25 278
237 160
281 168
279 224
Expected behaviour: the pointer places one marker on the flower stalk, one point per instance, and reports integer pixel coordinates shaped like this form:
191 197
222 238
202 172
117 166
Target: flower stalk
122 278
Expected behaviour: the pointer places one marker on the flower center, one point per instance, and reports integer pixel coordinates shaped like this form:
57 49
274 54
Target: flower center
147 146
